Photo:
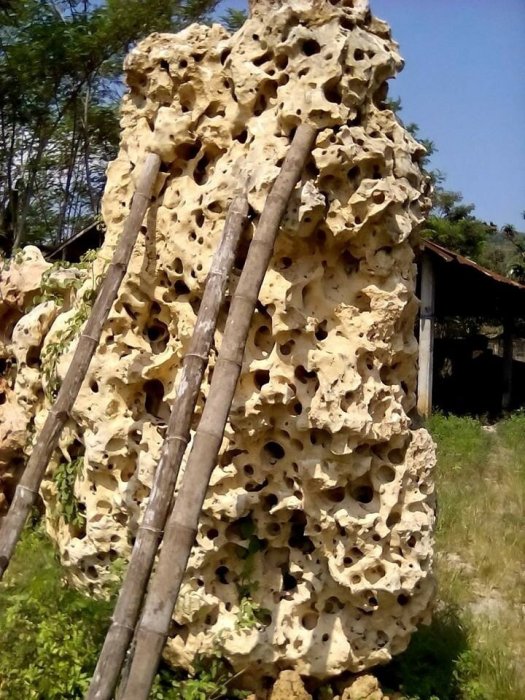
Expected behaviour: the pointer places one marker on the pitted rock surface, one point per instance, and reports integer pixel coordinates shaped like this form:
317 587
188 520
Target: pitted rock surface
314 549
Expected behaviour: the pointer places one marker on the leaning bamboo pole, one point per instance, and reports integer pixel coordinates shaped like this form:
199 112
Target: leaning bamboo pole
182 525
134 586
27 489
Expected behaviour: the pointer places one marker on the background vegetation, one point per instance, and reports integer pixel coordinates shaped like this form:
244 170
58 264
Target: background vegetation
50 634
60 81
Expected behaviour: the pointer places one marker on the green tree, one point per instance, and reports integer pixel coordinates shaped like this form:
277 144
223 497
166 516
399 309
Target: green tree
60 63
234 19
453 225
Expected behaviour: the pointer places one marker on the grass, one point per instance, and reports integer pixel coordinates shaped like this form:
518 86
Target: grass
474 647
50 634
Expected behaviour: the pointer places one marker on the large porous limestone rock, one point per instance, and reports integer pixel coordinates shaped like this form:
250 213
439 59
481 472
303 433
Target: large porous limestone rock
314 550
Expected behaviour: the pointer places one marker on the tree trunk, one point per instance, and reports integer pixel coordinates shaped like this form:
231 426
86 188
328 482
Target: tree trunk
27 489
182 524
134 586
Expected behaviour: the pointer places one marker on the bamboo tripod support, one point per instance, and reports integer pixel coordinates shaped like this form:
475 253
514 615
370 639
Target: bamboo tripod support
182 524
27 489
135 582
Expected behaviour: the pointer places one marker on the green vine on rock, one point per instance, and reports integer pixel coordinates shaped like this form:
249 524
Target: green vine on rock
251 614
64 478
63 338
52 353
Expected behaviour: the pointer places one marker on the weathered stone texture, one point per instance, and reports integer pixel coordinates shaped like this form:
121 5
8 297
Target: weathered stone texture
315 545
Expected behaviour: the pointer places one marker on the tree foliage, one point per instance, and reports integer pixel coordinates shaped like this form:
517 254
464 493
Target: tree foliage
60 66
453 225
234 19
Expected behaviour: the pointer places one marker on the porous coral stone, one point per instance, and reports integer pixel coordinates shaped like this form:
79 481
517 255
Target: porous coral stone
314 548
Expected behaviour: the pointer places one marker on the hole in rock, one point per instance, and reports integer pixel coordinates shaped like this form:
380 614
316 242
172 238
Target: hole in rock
346 23
321 437
402 599
363 493
332 91
178 266
212 534
309 621
261 377
263 339
353 173
222 574
273 451
335 495
289 581
393 519
397 456
188 151
199 219
242 136
297 538
270 501
253 488
158 336
303 375
154 391
33 356
262 59
286 348
181 288
224 55
332 605
281 61
321 333
386 474
310 47
164 65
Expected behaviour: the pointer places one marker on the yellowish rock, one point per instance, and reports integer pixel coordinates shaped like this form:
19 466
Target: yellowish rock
314 549
363 688
289 686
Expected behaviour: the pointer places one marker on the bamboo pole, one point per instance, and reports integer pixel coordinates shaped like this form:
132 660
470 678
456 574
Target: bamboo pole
27 489
134 586
182 524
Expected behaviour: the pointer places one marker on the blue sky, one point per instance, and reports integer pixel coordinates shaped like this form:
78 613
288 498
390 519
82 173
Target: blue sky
464 85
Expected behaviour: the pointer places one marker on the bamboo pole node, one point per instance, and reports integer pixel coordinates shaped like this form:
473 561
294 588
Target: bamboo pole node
155 531
210 433
231 361
21 487
204 358
116 623
176 438
89 337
